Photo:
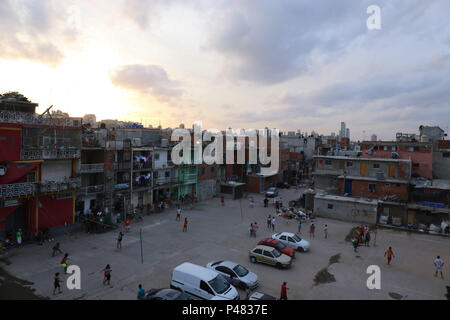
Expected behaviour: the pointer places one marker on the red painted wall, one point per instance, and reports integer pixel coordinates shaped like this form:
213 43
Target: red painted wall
360 188
54 213
10 144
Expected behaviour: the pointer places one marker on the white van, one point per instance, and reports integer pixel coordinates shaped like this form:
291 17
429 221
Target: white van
202 283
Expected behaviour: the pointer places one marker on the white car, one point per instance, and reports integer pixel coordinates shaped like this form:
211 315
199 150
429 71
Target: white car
231 269
292 240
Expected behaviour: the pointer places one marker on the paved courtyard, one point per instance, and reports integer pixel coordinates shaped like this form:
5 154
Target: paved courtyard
217 232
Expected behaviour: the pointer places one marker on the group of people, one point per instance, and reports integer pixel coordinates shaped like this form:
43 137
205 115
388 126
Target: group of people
361 237
277 203
253 228
271 222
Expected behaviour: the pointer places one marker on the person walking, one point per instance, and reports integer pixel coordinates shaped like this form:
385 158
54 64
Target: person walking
107 275
312 228
127 225
56 249
222 200
56 284
438 263
325 231
277 205
367 239
269 222
185 225
251 229
255 228
266 202
140 293
178 214
252 202
389 254
63 262
119 240
283 295
299 227
281 202
273 223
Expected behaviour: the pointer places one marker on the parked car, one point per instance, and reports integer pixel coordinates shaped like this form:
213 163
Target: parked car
246 279
202 283
271 192
292 240
270 256
166 294
280 246
283 185
261 296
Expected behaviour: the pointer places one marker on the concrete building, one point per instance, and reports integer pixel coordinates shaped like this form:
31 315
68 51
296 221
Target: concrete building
39 157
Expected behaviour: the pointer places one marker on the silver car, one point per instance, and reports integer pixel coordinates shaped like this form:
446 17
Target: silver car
246 279
271 192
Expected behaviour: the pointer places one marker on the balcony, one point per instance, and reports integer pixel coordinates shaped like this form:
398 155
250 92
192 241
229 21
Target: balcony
36 154
92 167
84 191
122 166
165 180
17 190
58 186
140 166
92 140
33 118
142 186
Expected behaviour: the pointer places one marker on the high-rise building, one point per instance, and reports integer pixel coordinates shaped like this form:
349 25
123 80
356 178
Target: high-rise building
343 131
347 133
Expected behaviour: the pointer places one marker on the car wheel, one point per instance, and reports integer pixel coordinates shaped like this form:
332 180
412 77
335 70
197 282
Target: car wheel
252 259
300 249
278 265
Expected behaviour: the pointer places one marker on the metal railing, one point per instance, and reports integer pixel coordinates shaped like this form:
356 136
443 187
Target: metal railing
56 186
91 189
33 118
92 167
34 154
122 165
17 189
142 165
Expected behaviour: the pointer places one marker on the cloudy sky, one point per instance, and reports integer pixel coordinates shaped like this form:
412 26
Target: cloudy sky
243 64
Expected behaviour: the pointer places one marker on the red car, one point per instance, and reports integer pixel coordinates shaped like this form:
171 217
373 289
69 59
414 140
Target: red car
279 246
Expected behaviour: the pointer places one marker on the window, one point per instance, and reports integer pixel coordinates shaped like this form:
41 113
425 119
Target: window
291 240
268 254
11 142
219 284
416 165
376 166
409 149
330 206
240 270
2 138
283 238
349 164
225 270
156 156
205 287
257 251
202 171
328 162
446 154
372 187
212 169
167 173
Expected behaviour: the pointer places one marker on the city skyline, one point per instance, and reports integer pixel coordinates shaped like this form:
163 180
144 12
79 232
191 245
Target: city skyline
233 64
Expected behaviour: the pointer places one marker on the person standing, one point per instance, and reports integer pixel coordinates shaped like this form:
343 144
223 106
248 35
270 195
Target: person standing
266 202
178 214
56 284
269 222
273 223
325 231
64 262
255 228
127 224
438 263
312 228
141 293
56 249
119 240
277 205
299 227
222 200
185 225
107 275
355 243
367 239
389 254
19 237
252 202
283 295
251 229
281 202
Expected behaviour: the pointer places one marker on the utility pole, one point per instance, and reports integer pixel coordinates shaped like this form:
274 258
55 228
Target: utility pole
142 254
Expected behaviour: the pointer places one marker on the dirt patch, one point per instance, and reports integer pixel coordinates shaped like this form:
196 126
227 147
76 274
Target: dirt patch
12 288
334 259
323 276
395 296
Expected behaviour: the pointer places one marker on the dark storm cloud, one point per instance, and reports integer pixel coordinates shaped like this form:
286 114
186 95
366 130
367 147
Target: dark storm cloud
147 79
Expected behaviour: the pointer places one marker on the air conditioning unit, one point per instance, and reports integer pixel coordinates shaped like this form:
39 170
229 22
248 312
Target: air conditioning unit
2 171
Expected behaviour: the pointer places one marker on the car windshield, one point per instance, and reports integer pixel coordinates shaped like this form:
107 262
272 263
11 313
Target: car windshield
240 270
276 253
281 245
297 239
219 284
271 189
